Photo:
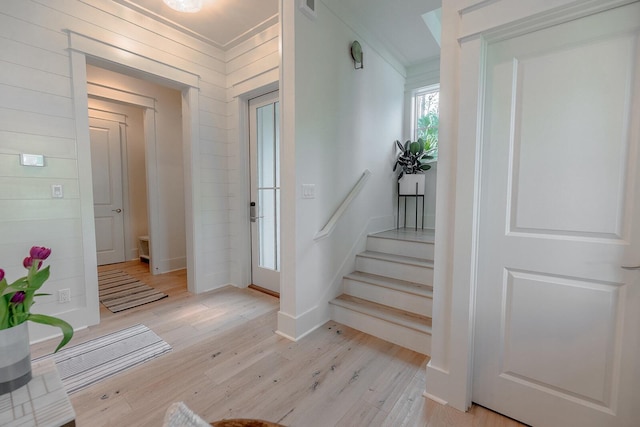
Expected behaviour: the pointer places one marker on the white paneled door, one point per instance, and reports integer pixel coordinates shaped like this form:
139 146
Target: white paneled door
106 167
557 327
264 148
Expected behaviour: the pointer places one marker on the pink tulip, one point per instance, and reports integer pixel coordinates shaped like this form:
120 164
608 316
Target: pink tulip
1 274
39 252
18 297
28 262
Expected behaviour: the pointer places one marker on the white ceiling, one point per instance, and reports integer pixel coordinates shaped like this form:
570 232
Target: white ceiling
223 23
395 24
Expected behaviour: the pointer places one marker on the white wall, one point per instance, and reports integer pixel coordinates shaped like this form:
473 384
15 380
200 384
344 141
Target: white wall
135 172
338 121
37 115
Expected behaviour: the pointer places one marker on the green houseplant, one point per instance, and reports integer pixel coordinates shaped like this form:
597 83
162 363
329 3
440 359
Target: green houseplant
16 300
412 162
412 159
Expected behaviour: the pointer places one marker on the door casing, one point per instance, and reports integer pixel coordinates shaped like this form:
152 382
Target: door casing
81 48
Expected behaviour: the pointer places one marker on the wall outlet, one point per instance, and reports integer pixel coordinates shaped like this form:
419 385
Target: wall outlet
64 295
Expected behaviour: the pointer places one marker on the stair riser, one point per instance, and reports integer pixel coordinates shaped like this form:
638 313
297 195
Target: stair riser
400 335
390 297
400 247
400 271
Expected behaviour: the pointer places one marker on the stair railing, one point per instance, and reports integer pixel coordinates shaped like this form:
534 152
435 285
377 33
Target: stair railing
331 224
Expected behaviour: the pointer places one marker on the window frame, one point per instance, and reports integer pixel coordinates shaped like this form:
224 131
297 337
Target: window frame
424 90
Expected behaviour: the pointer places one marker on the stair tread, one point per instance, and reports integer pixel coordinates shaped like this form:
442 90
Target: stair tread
392 283
408 235
420 262
393 315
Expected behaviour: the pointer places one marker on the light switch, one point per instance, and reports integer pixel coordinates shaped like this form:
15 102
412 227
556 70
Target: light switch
56 191
308 191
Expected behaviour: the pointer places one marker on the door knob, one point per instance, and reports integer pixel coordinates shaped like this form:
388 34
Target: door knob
637 267
116 210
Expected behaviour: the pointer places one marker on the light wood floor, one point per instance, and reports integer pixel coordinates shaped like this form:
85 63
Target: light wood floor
227 362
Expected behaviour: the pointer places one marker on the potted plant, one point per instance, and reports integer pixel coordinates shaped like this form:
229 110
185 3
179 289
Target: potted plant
16 300
412 162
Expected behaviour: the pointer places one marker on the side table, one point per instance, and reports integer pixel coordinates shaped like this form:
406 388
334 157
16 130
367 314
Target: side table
43 402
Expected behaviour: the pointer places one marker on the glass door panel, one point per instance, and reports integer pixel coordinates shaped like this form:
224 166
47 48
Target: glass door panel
265 190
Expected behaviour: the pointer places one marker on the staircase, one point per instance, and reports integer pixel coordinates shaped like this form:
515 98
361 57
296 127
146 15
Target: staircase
390 294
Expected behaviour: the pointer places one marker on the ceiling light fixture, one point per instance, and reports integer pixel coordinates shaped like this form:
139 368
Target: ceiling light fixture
190 6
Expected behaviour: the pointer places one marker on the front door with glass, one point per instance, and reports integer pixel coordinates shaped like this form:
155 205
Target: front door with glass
264 140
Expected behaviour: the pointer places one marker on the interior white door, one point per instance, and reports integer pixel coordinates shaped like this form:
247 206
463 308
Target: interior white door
264 149
106 167
557 326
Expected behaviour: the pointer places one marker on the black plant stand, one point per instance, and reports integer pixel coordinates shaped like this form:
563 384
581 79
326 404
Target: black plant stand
416 196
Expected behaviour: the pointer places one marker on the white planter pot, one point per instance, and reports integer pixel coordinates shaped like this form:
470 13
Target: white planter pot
15 358
407 185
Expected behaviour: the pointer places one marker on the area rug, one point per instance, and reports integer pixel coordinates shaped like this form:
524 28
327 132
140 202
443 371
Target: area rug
118 291
85 364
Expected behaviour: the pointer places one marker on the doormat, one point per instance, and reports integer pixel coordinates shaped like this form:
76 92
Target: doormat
88 363
118 291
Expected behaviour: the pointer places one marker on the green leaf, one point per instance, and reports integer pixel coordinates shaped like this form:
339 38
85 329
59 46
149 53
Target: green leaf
20 283
39 278
4 312
67 330
415 148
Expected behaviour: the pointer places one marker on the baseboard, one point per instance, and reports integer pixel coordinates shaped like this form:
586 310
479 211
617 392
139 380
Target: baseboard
297 327
435 398
79 318
442 386
169 265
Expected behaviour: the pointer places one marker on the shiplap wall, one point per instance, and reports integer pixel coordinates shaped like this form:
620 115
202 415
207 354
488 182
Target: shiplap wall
252 70
37 116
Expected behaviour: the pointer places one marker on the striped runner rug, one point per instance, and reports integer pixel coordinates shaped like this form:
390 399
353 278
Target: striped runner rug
85 364
118 291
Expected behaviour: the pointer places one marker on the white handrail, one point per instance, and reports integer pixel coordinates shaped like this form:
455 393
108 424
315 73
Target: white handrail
328 228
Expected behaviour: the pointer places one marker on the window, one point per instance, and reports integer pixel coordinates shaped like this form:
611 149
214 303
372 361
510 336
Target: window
426 118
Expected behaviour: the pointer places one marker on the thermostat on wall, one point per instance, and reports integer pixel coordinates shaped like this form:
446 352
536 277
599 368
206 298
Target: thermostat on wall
31 159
